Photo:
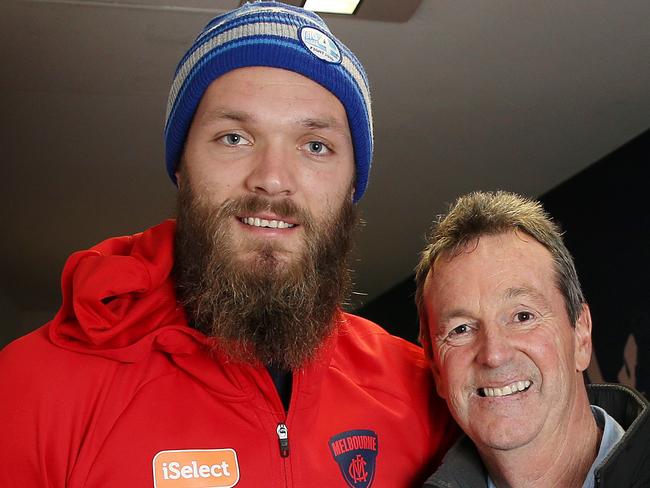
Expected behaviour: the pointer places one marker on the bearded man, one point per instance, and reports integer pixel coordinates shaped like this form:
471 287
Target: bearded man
212 351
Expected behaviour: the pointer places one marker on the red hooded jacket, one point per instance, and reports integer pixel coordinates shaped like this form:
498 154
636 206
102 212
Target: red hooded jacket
118 391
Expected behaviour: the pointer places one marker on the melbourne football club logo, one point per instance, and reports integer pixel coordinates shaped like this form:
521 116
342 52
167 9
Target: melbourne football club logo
355 451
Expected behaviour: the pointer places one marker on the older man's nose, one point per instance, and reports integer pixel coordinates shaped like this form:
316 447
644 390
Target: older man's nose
494 348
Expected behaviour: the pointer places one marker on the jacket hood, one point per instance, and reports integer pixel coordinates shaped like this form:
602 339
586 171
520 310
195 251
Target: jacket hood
119 300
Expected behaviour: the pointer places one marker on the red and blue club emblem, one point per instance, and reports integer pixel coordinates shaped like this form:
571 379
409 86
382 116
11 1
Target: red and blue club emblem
355 451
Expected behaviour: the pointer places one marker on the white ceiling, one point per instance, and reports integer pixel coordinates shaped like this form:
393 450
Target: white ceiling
491 94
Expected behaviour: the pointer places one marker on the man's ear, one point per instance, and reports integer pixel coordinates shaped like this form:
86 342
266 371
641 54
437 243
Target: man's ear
179 170
583 339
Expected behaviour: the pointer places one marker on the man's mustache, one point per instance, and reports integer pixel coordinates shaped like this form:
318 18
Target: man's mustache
284 209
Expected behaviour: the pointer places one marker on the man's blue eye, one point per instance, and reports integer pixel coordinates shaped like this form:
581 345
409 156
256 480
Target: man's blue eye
317 147
233 139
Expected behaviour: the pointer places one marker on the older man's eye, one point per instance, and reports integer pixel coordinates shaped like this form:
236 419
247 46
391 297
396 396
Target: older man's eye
523 316
459 330
459 335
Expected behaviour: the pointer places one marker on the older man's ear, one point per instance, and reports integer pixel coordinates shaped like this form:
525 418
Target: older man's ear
583 339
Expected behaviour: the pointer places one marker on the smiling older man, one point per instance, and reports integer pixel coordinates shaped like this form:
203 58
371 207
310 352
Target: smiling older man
508 335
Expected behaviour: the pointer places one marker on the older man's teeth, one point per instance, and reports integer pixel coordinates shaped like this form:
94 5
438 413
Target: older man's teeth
515 387
273 224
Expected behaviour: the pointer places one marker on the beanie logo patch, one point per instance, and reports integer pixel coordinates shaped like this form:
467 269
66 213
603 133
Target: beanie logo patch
320 44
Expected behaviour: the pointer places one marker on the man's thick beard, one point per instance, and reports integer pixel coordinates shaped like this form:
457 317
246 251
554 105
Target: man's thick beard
261 310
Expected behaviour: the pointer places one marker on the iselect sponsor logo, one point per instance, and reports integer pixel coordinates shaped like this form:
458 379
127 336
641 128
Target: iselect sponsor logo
200 468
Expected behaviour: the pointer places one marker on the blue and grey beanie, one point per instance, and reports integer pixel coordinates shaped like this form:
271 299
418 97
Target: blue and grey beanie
280 36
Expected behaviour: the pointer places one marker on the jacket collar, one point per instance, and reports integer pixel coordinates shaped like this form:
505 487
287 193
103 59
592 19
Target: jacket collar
630 456
461 468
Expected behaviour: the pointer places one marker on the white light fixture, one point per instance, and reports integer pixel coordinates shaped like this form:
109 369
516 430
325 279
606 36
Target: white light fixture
332 6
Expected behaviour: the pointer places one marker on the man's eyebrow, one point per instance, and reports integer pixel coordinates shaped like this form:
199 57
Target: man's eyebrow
225 114
454 313
523 291
329 123
509 294
308 122
441 330
320 123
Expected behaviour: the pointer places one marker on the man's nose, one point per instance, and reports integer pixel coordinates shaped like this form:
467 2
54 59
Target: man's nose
494 347
273 171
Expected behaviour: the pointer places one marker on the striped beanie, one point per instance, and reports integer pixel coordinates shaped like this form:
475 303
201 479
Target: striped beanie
280 36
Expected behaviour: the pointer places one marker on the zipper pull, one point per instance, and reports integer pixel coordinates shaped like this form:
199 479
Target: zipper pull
283 439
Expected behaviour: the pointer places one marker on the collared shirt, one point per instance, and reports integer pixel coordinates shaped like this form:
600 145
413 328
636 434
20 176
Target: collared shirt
612 433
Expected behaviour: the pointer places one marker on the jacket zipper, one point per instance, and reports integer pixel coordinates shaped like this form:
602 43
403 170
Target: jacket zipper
283 445
282 431
283 439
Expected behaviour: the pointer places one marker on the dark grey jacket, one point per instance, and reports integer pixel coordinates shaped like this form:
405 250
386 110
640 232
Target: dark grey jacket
626 466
